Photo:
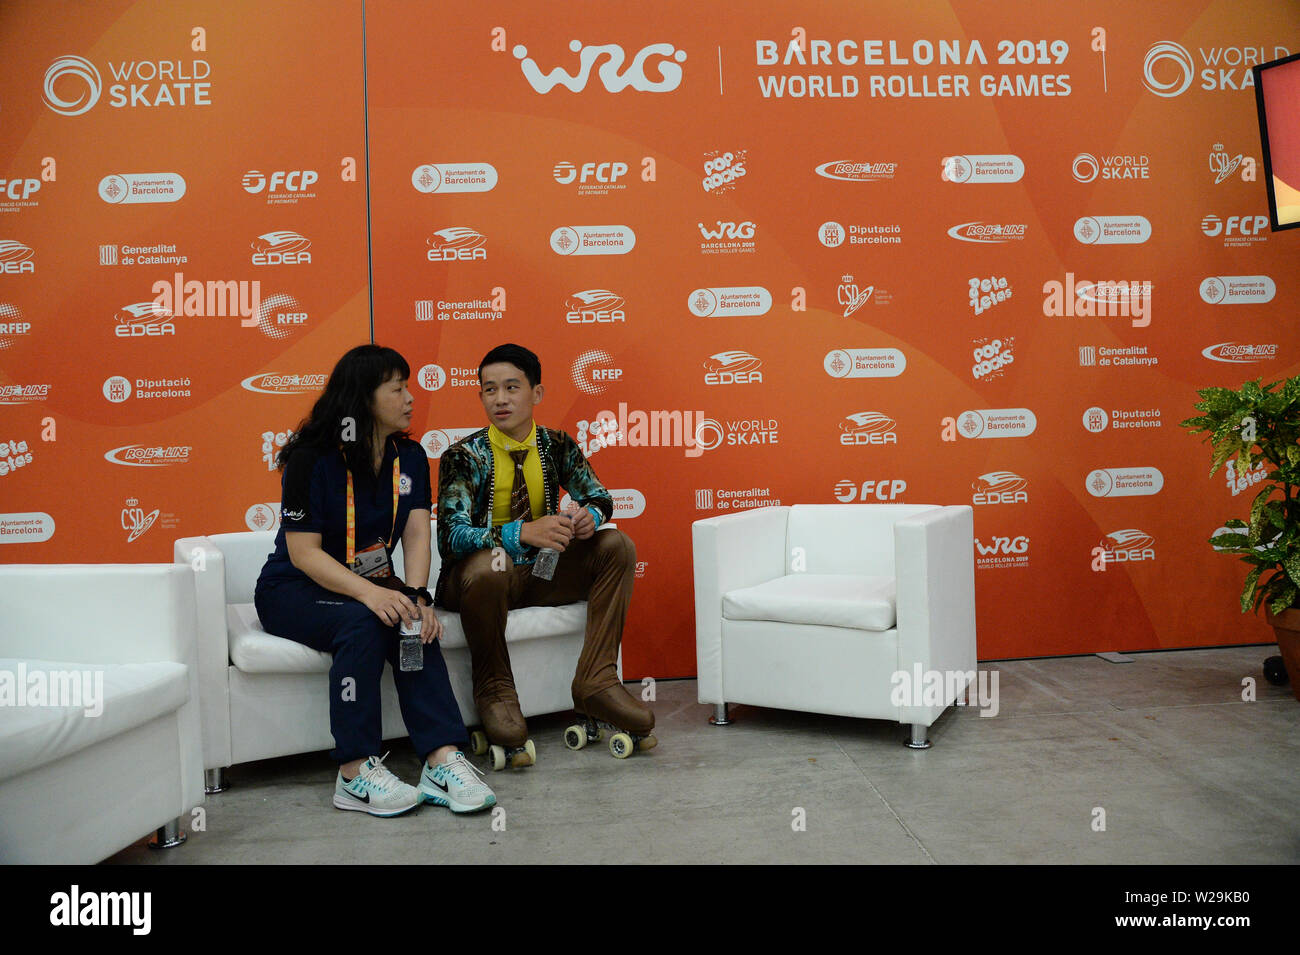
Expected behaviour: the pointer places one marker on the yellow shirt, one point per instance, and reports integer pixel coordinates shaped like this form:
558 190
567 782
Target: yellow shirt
502 445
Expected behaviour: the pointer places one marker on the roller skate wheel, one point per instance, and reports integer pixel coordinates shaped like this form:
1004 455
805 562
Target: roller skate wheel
647 742
575 737
597 736
478 742
620 746
531 750
498 757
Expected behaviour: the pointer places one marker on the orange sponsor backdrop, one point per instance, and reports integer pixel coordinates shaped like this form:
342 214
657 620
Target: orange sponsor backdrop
807 317
1116 149
199 140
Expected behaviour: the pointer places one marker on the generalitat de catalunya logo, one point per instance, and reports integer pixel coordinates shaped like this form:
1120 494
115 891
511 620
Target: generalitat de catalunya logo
663 58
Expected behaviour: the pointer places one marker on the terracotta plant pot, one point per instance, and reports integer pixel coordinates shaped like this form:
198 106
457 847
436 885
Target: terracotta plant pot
1287 627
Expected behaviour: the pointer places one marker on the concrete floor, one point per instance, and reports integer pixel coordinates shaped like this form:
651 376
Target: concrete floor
1185 771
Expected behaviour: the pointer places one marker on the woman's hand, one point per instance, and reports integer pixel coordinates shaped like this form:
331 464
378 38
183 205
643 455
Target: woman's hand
430 625
390 606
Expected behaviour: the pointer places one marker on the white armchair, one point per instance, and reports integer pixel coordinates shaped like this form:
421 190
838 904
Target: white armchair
99 709
264 696
819 607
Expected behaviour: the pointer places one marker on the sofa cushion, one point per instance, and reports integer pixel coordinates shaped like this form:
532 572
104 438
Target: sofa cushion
253 650
132 695
829 600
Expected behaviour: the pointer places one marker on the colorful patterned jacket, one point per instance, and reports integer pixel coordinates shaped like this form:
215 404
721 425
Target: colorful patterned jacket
466 480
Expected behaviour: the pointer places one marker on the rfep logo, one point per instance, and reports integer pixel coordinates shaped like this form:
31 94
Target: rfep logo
280 316
16 258
596 306
454 177
593 371
12 325
846 170
987 232
277 384
667 58
1127 546
281 248
1000 487
143 320
457 244
146 456
868 428
882 489
732 368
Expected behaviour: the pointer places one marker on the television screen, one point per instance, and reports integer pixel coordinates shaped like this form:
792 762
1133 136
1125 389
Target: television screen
1277 95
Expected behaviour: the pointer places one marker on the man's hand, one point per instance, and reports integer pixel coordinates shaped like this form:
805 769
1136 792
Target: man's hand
553 530
584 525
390 606
430 625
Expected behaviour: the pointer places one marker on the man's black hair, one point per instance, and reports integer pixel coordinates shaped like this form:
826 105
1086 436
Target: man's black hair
516 355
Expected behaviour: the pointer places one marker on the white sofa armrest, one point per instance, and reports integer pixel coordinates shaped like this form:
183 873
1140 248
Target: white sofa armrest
209 568
935 559
732 551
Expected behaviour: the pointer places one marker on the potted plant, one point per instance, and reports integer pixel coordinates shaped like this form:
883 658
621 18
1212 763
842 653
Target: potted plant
1260 425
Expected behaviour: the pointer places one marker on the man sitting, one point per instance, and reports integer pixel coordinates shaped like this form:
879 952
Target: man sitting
498 497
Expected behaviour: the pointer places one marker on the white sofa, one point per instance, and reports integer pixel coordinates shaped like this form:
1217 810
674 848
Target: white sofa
264 696
123 755
819 607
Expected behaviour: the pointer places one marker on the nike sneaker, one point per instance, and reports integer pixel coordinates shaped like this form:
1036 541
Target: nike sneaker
456 785
375 790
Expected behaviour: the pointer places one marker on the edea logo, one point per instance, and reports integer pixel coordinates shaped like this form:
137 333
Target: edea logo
846 170
134 519
1087 167
280 316
727 302
73 85
146 456
277 384
988 232
143 320
1236 230
982 168
1223 165
1127 546
613 76
1168 68
1237 353
596 306
868 428
454 177
457 244
984 293
732 368
999 487
12 325
16 258
593 240
864 363
130 188
1237 289
1124 482
593 371
282 186
1112 230
281 248
881 489
991 357
722 169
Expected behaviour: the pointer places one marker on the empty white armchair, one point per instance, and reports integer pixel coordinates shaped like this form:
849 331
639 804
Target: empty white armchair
264 696
836 608
99 719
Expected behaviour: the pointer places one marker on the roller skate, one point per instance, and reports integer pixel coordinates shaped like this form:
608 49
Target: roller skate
504 735
613 708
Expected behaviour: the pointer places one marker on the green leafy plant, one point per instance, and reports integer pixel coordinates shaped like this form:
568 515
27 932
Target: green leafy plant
1260 423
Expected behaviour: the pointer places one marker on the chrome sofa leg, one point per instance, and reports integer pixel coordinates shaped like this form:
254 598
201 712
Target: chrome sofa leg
719 717
917 740
214 781
169 836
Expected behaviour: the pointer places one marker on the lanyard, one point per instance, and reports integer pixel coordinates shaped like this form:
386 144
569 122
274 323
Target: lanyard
352 510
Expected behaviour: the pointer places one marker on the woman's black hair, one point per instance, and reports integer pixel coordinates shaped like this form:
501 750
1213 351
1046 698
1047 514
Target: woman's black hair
341 417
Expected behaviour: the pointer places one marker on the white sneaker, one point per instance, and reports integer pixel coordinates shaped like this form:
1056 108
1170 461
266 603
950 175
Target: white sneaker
456 784
375 790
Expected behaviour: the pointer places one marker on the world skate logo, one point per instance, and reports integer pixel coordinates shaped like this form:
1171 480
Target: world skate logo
135 520
1000 487
88 81
1173 79
613 77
